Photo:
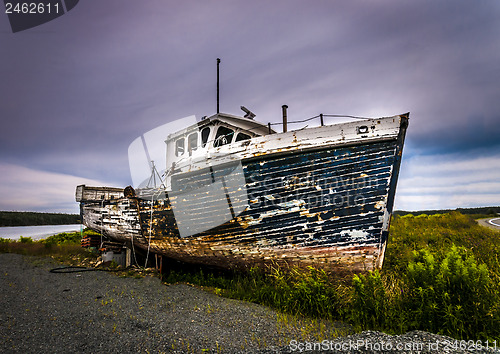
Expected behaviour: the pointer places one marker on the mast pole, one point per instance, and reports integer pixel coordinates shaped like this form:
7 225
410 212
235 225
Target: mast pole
218 62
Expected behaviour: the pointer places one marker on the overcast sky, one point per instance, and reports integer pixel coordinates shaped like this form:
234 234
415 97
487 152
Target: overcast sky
76 91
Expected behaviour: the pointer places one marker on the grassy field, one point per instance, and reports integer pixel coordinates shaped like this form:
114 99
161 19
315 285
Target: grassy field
63 247
441 274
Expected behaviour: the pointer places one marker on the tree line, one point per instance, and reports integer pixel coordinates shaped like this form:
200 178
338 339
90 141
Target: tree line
28 218
485 211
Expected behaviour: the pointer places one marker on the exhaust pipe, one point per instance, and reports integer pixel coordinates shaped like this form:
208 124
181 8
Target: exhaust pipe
284 108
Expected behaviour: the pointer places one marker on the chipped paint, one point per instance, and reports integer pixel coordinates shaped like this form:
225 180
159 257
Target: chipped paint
318 197
355 233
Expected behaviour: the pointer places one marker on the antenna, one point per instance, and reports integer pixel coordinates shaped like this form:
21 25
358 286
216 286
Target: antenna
218 62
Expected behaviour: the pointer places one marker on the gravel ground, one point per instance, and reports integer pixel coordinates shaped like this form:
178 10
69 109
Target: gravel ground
92 312
377 342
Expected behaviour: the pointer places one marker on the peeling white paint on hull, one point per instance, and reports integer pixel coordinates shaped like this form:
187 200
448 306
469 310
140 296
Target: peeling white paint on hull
320 197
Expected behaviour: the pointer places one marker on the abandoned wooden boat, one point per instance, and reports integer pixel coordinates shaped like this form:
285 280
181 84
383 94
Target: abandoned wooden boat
237 194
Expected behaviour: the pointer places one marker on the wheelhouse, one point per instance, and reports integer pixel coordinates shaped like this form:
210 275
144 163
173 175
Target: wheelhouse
211 134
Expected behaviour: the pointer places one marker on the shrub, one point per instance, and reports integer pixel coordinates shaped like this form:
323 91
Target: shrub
453 297
438 233
63 239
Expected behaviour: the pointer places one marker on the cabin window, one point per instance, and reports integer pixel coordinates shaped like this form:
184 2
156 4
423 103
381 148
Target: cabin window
242 136
192 142
179 147
205 133
223 137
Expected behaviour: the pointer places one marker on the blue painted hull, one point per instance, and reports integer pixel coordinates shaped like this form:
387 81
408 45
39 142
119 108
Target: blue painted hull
326 206
301 205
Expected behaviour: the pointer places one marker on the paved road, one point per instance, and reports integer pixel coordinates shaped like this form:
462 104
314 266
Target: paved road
492 223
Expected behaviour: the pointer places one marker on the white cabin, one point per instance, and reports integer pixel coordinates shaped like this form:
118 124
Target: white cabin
211 133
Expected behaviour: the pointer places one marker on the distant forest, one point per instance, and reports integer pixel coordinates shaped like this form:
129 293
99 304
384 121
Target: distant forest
28 218
493 211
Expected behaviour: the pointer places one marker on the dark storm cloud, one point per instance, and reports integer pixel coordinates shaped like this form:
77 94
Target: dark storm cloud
78 90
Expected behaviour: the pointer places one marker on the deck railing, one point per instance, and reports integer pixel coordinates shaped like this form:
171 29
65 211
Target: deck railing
321 116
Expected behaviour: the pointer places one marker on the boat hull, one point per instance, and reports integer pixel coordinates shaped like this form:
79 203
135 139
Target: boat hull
325 205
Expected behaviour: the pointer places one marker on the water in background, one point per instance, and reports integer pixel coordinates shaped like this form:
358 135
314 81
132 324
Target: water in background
36 232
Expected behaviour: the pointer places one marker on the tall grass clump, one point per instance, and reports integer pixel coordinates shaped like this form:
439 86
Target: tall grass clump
370 302
455 296
307 292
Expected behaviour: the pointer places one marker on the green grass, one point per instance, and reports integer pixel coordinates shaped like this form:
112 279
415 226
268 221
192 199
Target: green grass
441 274
64 247
437 233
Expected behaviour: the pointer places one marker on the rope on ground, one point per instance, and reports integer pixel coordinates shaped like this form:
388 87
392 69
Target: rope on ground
78 269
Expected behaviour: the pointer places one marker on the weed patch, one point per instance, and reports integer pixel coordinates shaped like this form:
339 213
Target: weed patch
64 246
440 275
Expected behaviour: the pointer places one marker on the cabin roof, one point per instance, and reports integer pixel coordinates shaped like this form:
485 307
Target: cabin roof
245 124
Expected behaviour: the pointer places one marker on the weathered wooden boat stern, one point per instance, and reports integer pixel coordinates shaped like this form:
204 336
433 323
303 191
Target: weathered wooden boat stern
107 211
327 204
